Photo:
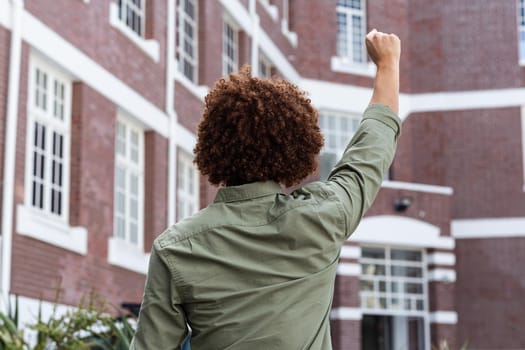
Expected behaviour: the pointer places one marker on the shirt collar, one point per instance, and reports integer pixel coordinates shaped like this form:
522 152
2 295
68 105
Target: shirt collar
247 191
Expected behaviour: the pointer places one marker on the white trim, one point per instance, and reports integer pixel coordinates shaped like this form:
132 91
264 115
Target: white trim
468 99
350 252
442 275
400 231
38 225
185 138
150 47
346 313
288 34
412 186
345 98
127 255
444 317
523 142
5 14
344 65
440 258
11 122
285 24
93 74
199 91
349 269
272 10
488 227
171 68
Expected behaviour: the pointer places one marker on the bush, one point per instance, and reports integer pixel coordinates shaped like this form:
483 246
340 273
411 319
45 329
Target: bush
88 327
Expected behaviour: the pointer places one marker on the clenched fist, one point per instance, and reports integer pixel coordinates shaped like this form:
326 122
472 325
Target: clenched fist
383 49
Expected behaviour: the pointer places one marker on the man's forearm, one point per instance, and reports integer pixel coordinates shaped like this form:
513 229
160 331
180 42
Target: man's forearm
386 86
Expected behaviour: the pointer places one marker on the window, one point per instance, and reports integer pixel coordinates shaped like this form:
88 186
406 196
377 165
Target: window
187 38
230 49
129 182
393 295
265 67
48 141
187 186
338 128
521 30
132 13
351 28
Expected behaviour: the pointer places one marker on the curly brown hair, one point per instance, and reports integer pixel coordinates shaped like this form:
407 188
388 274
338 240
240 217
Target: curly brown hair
257 130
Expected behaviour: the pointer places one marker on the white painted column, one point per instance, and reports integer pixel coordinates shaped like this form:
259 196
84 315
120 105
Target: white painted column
170 100
13 88
255 38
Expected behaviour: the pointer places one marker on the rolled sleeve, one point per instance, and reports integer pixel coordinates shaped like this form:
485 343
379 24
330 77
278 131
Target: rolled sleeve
162 322
357 177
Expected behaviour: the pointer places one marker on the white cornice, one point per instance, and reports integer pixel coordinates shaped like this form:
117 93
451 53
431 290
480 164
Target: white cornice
488 227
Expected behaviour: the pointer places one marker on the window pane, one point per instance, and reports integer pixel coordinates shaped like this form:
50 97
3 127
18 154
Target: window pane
406 271
409 255
373 253
373 269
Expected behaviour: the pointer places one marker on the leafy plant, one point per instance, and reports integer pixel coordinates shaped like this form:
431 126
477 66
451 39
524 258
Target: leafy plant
443 345
11 338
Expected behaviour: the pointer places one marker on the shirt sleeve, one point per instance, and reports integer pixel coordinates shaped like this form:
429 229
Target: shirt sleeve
162 322
356 178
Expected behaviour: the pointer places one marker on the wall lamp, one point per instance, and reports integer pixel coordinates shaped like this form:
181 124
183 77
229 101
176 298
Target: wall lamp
402 204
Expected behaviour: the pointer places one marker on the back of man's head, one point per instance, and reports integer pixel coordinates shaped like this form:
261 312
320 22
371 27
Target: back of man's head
257 130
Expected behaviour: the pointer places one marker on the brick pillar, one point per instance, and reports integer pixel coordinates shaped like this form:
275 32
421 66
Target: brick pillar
155 187
244 49
92 166
346 314
441 295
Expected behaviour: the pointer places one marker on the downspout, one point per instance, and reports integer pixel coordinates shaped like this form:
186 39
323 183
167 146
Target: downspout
172 115
13 86
255 38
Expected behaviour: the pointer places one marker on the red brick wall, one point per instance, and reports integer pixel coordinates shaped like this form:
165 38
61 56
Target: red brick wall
490 289
477 152
189 108
318 37
210 42
156 187
432 208
87 27
39 268
5 41
446 45
346 334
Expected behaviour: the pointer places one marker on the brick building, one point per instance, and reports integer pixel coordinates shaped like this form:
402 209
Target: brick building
99 102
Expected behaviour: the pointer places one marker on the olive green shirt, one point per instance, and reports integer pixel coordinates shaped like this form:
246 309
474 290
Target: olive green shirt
256 268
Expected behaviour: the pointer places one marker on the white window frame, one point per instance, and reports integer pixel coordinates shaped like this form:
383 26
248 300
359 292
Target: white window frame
150 47
226 59
121 250
139 11
184 57
523 142
285 24
347 63
264 61
187 202
387 262
342 135
41 223
521 31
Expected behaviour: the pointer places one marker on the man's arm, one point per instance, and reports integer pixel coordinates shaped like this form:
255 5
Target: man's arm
357 177
385 50
162 323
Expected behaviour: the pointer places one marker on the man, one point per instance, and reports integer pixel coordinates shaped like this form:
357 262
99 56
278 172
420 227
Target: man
256 268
